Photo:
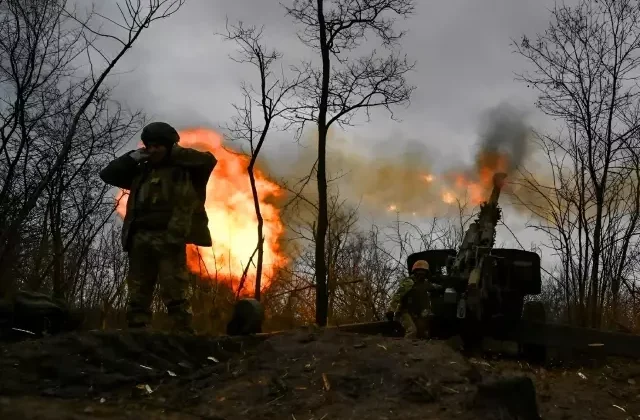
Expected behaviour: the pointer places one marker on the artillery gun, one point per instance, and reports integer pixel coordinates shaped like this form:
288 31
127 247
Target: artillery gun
483 291
483 295
484 288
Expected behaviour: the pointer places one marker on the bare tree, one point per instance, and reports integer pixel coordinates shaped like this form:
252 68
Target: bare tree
78 203
272 99
363 263
101 288
447 231
358 267
42 47
585 69
342 225
342 86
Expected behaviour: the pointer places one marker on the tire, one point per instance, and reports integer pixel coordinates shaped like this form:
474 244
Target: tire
514 310
472 335
534 312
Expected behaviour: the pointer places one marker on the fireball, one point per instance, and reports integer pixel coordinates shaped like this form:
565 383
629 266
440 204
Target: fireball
478 183
448 197
232 219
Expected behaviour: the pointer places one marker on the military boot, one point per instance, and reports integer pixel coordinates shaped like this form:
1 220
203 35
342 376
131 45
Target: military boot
138 319
181 317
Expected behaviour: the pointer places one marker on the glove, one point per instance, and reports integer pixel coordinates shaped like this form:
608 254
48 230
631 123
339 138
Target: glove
139 155
390 315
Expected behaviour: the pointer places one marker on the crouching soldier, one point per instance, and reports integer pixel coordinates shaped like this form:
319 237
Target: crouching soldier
165 212
411 304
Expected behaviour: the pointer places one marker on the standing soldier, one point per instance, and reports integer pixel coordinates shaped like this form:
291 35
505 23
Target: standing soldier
411 305
165 212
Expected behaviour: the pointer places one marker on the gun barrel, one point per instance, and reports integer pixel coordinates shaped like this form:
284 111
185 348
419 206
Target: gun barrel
498 183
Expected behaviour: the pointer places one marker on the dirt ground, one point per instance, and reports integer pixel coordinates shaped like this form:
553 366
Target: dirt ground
299 375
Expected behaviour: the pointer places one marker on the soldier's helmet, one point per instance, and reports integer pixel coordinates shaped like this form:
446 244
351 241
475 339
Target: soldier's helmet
420 265
159 133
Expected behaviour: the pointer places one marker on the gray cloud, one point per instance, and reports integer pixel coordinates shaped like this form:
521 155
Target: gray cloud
465 64
180 71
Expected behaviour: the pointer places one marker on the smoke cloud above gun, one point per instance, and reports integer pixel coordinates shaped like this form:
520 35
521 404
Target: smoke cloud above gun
406 182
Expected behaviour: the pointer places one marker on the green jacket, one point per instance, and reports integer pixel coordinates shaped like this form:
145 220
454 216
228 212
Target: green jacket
181 182
411 296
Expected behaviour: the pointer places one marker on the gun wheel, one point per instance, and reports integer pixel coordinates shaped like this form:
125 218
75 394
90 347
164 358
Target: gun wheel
534 312
471 336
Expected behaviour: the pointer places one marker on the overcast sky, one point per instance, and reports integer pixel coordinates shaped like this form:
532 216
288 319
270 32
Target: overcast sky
179 71
464 63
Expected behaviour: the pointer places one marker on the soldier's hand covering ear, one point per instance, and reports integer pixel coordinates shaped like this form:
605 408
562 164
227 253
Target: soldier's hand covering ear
139 155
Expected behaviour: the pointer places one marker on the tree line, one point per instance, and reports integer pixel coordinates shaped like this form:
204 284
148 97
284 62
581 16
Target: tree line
61 125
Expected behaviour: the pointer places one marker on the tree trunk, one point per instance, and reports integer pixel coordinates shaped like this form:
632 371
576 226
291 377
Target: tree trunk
597 245
8 283
256 204
329 252
56 232
322 298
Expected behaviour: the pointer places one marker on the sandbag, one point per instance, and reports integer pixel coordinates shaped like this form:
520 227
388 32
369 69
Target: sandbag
247 318
35 314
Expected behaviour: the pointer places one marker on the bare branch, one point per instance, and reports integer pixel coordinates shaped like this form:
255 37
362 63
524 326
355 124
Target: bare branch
334 92
52 102
272 100
584 68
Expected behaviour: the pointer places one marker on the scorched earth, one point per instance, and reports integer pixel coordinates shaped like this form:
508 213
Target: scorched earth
302 374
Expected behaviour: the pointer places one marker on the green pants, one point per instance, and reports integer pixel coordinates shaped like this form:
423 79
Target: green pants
414 327
154 261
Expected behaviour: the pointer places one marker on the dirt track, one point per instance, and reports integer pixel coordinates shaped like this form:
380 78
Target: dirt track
298 375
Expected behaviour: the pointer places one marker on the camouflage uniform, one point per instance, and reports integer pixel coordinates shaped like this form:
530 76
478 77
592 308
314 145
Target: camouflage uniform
411 305
165 212
153 258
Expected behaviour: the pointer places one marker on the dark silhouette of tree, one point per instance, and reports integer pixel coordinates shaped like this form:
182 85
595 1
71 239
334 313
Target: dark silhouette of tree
272 99
53 68
585 69
343 85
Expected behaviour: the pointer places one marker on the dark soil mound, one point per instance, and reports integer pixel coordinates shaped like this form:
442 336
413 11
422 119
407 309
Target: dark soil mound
296 375
85 365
